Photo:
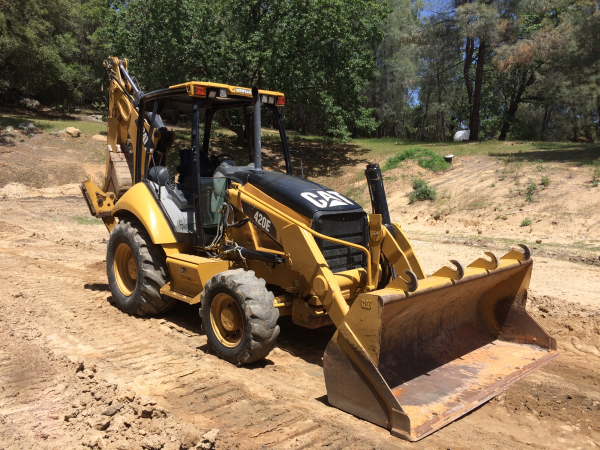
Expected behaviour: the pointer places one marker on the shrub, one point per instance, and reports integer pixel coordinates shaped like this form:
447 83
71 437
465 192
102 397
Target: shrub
545 181
421 192
530 190
596 172
426 158
526 222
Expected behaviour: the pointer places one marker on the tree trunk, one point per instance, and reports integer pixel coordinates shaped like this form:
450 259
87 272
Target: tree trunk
545 122
470 45
514 103
443 131
474 119
304 130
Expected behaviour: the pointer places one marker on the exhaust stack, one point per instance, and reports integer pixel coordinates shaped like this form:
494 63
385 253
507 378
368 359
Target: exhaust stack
257 123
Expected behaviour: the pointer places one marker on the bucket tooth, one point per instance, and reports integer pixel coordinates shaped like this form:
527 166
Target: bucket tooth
447 272
519 256
402 284
483 263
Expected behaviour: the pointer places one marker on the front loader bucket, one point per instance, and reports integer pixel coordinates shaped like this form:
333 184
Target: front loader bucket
414 362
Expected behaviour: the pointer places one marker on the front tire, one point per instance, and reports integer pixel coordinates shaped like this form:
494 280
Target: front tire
136 270
238 316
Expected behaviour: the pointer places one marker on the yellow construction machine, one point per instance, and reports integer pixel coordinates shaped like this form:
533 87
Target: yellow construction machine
411 352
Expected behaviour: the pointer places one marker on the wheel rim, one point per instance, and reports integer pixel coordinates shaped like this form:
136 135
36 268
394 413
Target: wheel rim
226 320
125 269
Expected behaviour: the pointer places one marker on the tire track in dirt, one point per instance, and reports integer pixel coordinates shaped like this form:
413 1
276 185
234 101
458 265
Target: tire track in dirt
190 386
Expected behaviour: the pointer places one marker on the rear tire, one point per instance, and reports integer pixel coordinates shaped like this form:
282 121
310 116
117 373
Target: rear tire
238 316
136 270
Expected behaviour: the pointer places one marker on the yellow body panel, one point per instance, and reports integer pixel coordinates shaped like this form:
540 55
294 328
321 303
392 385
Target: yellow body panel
189 273
231 90
140 202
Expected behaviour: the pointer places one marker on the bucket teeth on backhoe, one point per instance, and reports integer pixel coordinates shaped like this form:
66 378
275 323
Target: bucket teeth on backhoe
453 274
414 362
483 263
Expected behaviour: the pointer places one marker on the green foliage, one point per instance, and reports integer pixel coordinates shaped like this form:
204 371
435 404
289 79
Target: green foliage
319 53
545 181
49 50
421 192
526 222
424 157
596 172
530 190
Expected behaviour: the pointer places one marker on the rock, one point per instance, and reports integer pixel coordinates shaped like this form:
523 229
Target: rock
154 442
159 413
63 131
126 397
53 133
78 362
539 241
147 401
73 132
128 419
479 231
211 436
25 126
447 231
102 423
121 444
30 103
99 138
190 437
9 129
92 441
146 412
113 409
71 414
117 424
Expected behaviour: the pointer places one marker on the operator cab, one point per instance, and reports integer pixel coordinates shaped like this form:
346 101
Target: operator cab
183 202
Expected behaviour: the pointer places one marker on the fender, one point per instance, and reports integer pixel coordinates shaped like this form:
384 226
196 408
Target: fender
141 203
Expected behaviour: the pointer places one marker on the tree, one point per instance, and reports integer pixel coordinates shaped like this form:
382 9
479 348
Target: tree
319 52
48 50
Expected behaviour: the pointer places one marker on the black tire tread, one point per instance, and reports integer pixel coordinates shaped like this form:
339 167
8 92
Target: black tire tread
153 270
258 308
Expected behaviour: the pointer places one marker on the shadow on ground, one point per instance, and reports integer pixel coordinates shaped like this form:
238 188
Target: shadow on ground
308 345
581 155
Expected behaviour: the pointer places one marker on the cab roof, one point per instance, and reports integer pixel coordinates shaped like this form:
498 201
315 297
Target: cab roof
236 91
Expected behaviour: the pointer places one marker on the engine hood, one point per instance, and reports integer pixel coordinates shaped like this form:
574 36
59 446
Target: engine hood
303 196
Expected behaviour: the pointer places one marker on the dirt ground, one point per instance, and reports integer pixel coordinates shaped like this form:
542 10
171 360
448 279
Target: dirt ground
76 373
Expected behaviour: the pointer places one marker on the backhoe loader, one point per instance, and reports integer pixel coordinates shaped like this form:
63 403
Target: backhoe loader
410 352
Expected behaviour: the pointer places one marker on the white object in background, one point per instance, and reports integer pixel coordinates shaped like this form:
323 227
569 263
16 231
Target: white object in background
462 135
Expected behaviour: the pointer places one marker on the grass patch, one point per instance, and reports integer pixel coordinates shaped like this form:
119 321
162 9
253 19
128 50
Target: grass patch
88 221
87 128
425 157
596 172
526 222
421 192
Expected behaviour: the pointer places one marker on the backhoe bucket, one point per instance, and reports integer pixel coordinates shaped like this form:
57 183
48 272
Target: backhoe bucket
415 361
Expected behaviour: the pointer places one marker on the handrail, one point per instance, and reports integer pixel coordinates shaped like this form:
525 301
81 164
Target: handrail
314 233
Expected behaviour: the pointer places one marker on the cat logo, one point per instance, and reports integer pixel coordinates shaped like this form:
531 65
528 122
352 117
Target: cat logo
326 199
